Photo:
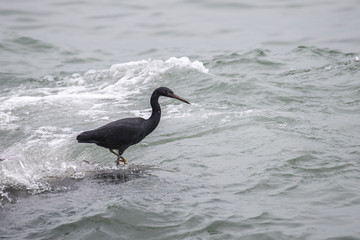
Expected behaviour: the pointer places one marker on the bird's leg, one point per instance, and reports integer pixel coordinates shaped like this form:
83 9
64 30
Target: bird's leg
112 151
120 158
117 161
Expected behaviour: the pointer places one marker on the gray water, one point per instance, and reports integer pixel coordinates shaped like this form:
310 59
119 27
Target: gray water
268 149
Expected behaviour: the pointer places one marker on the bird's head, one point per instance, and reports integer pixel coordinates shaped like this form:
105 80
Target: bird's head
167 92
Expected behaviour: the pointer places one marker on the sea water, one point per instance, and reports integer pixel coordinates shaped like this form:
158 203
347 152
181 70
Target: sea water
268 149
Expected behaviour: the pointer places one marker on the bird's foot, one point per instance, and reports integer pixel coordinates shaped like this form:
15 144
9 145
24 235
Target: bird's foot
120 159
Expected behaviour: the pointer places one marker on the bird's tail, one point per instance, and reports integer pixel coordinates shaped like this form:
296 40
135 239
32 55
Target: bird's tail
84 137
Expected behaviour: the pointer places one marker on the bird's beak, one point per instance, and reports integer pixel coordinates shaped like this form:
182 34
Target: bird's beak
179 98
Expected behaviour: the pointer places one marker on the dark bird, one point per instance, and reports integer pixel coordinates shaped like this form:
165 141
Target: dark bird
121 134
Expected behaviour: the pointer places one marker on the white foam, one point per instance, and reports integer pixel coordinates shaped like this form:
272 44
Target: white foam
8 121
116 83
186 63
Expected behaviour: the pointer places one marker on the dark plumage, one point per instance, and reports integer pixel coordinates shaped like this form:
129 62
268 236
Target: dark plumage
123 133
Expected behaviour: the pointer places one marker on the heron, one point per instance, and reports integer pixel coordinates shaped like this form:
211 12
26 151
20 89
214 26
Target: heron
118 135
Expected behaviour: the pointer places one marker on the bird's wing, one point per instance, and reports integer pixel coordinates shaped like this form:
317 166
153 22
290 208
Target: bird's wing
125 131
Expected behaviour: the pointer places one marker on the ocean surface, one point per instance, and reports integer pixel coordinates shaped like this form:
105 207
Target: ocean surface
268 149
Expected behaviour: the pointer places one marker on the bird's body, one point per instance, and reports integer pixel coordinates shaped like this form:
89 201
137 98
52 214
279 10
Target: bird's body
109 135
123 133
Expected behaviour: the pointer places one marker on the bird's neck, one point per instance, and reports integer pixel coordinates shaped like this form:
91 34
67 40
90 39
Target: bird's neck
154 119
